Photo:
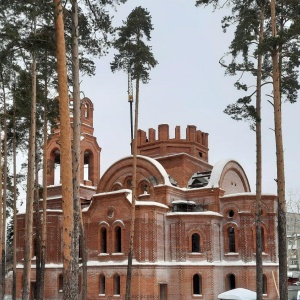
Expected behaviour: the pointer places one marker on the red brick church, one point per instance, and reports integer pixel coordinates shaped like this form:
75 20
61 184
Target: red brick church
194 230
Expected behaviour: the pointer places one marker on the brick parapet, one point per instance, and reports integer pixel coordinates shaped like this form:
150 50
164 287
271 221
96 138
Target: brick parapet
195 143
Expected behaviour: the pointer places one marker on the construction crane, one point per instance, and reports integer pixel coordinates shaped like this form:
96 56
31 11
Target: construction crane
130 100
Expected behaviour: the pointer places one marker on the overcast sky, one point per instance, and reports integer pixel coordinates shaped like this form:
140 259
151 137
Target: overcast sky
188 87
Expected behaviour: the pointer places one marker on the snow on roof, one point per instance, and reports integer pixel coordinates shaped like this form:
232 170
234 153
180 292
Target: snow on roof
183 202
151 203
113 192
250 194
93 263
216 173
48 210
173 263
198 213
159 167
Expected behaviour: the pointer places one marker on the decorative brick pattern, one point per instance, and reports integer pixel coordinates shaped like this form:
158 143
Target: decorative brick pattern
163 259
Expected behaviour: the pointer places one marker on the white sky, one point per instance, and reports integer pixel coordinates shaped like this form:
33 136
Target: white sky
188 87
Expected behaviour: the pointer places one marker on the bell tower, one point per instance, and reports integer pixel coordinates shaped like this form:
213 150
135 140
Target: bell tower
90 150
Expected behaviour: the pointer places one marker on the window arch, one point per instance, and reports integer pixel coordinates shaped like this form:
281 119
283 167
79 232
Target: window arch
118 239
117 284
197 284
196 243
265 285
103 240
102 284
231 281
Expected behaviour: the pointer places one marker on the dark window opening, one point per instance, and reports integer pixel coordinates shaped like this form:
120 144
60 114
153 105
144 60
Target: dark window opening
129 183
265 290
195 242
231 282
197 284
118 239
163 291
103 240
102 284
117 285
60 282
230 213
231 239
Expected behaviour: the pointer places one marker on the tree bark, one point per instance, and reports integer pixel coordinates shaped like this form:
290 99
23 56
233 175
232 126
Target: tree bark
1 209
282 247
14 283
134 194
76 141
259 263
37 239
4 199
66 154
41 285
30 190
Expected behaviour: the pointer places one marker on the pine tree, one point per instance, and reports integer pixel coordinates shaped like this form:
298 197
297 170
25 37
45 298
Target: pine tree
66 166
135 57
280 52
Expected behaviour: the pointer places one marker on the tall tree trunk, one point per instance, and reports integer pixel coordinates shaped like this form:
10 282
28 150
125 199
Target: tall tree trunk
37 228
84 261
30 190
4 199
282 247
14 284
1 203
41 285
1 210
134 192
69 287
259 264
76 140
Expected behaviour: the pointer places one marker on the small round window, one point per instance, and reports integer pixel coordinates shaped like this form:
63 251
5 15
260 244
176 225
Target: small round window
231 213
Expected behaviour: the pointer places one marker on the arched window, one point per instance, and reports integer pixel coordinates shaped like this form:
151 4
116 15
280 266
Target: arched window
56 159
231 281
195 242
143 188
118 239
128 183
117 284
103 240
86 111
60 282
102 284
231 239
197 284
88 164
265 289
